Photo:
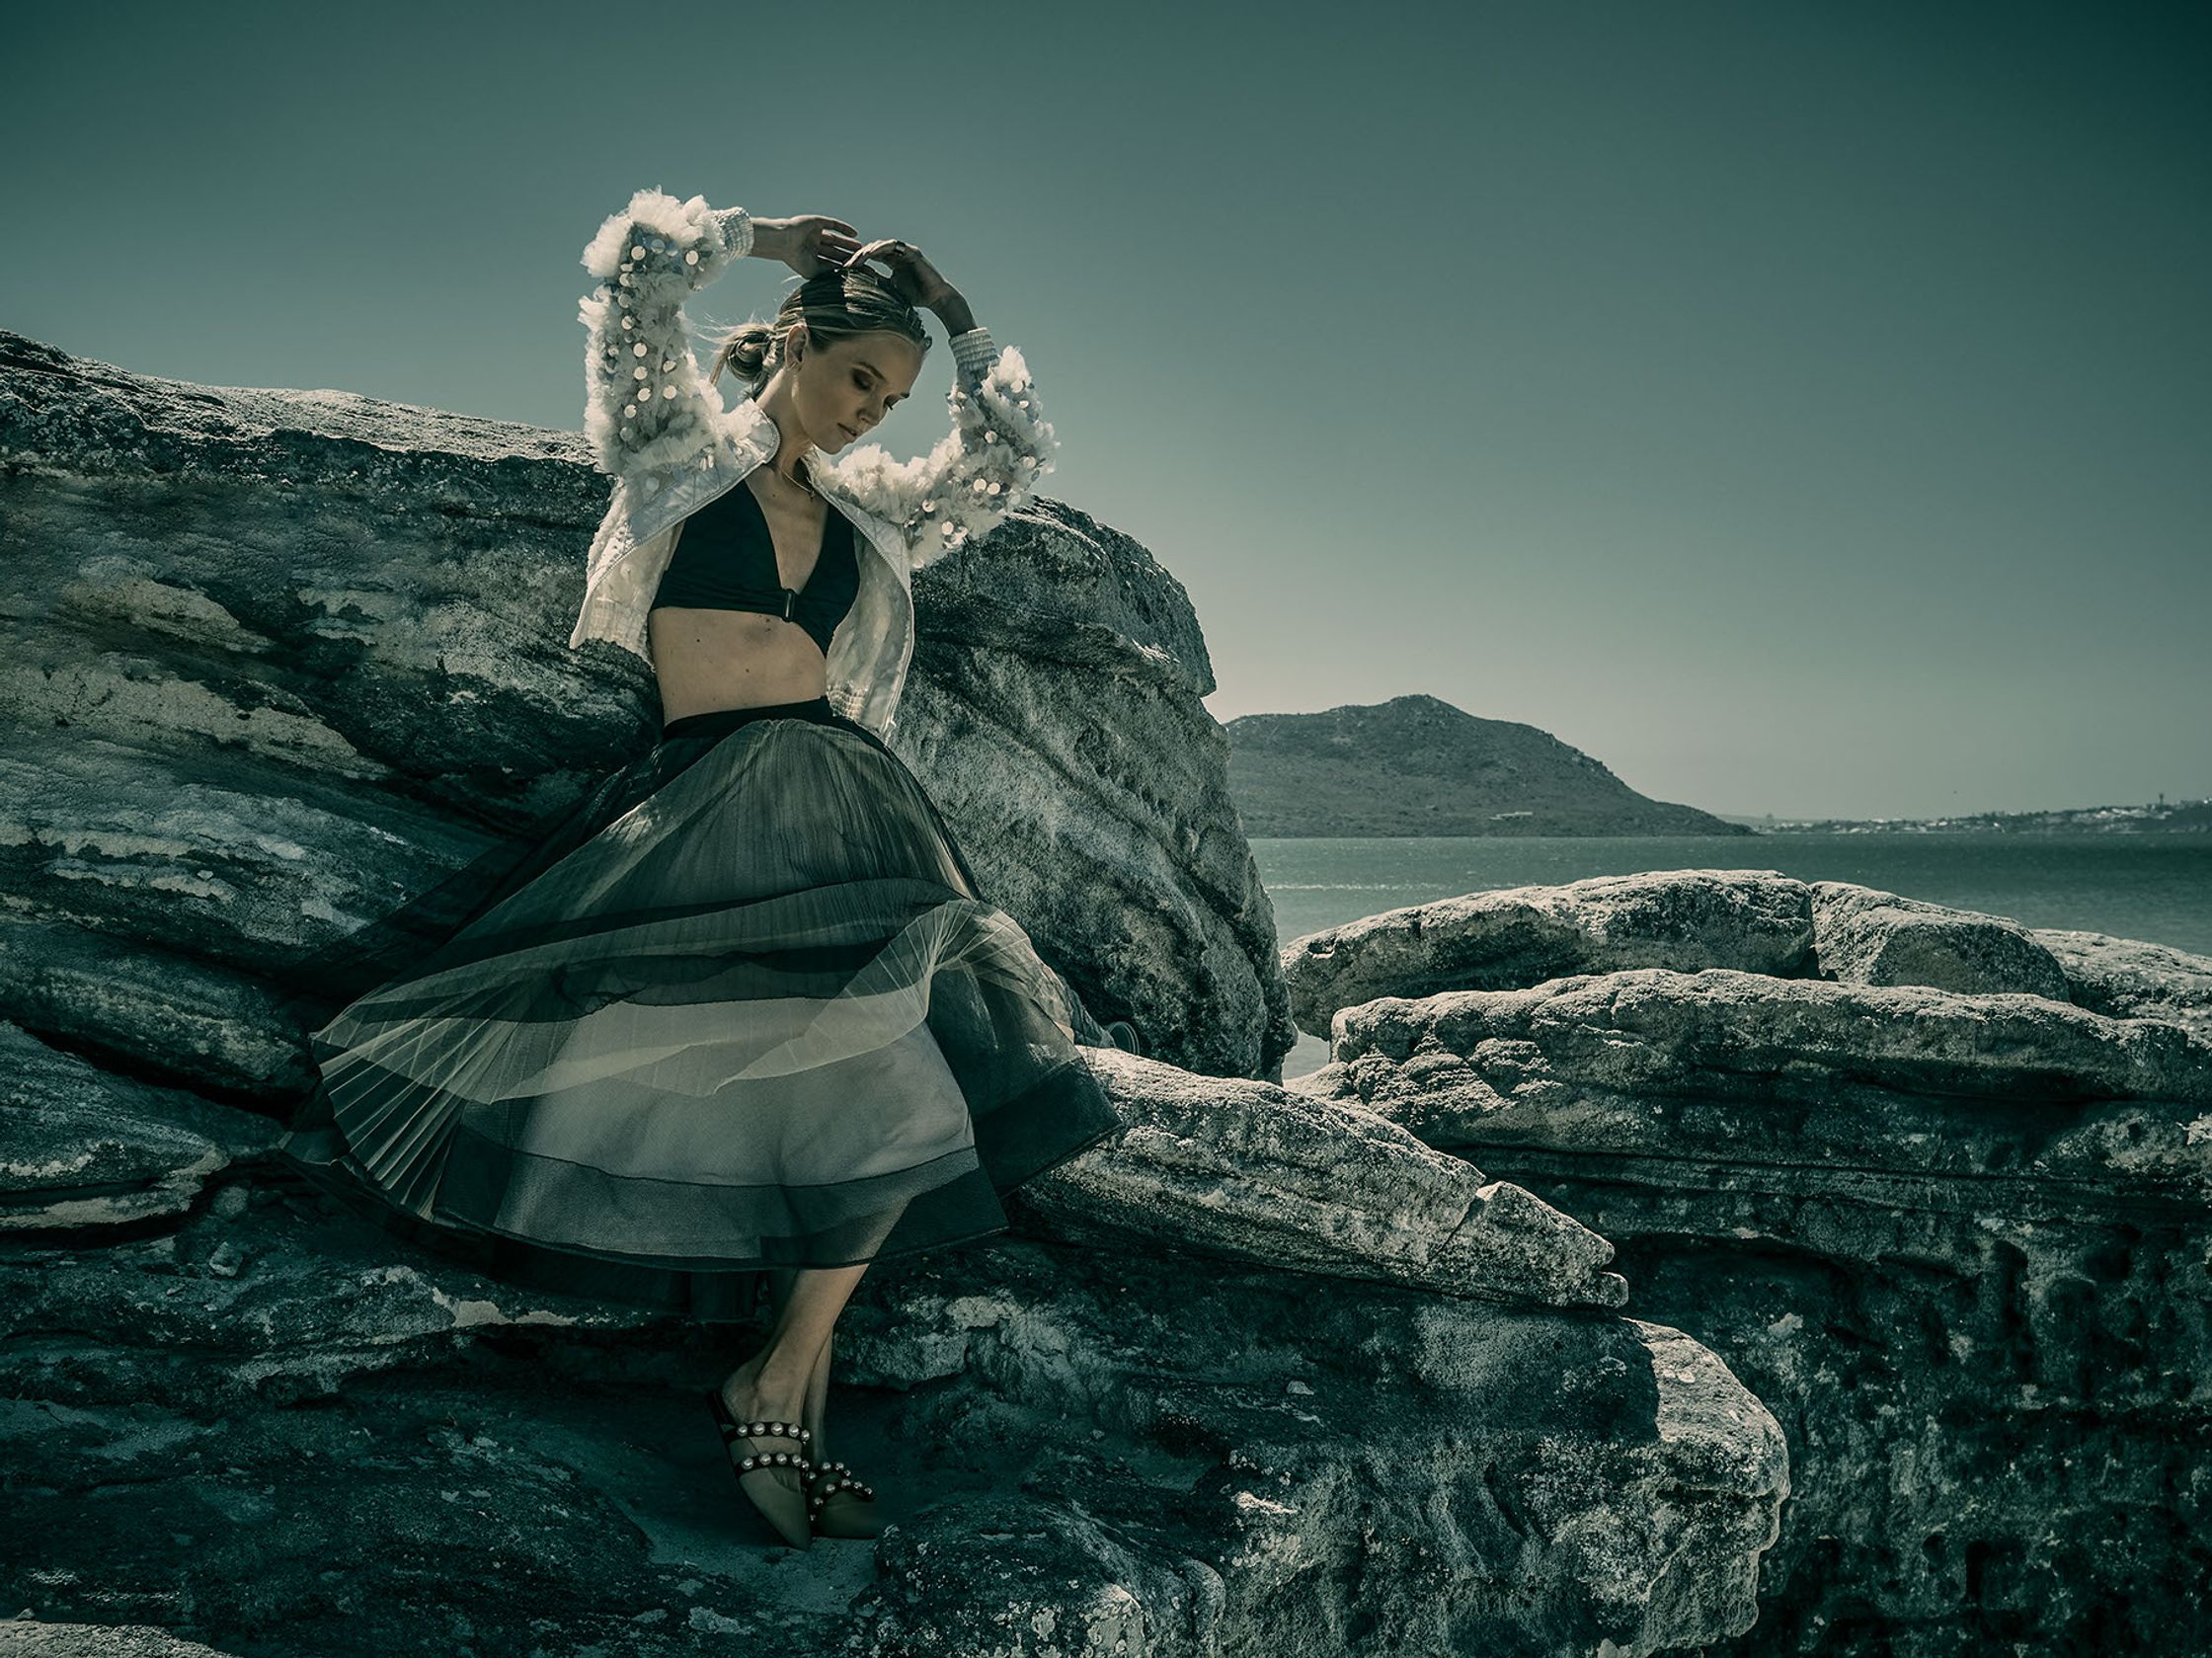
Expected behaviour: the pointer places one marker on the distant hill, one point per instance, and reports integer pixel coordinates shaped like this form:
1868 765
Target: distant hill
1417 765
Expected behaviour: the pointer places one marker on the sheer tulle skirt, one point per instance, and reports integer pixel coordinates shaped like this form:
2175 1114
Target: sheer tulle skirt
740 1009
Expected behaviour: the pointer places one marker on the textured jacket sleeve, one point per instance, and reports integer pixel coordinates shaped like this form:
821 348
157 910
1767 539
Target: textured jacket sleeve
645 401
987 464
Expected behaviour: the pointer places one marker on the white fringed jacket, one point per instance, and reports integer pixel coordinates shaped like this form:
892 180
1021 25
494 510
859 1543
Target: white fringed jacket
656 425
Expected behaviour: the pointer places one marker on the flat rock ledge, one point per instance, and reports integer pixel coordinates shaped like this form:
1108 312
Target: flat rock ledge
1256 1173
1753 920
1936 1186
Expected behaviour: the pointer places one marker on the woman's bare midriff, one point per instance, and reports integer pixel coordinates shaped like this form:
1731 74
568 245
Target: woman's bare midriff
710 659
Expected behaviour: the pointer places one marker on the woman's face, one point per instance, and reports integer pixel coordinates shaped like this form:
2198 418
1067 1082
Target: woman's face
844 390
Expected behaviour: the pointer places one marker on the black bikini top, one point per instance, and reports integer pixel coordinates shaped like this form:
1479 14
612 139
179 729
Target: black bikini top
725 560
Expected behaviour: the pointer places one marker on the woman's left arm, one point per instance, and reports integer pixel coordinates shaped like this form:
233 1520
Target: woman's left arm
999 445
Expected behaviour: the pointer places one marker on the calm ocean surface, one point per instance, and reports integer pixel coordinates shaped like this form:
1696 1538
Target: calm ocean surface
2155 887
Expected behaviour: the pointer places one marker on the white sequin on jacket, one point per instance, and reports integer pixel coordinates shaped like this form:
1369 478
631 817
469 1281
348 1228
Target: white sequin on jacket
657 427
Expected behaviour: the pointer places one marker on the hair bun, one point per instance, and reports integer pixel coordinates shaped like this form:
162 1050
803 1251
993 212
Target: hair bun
835 303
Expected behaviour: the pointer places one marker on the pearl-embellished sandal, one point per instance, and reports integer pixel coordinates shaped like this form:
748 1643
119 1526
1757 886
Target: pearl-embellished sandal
839 1504
785 1509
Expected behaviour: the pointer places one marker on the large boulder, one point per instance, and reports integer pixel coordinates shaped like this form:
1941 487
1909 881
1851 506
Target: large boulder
1866 936
1754 920
1757 919
1956 1238
1254 1172
1721 1035
276 660
1054 714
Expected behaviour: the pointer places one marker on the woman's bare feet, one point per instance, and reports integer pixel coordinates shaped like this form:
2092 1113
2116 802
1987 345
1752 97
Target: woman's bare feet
753 1393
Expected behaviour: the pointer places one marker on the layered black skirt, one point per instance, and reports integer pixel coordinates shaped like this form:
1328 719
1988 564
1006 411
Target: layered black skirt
740 1009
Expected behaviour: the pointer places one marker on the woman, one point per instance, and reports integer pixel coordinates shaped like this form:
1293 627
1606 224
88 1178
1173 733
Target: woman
740 1020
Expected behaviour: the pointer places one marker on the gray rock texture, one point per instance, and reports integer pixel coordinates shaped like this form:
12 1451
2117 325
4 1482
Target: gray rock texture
1530 1484
1254 1172
1756 920
1054 714
1957 1238
1162 1442
84 1151
1863 937
274 661
2132 980
1263 1373
21 1637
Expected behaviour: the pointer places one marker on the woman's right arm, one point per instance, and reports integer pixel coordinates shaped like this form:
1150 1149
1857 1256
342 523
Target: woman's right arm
645 401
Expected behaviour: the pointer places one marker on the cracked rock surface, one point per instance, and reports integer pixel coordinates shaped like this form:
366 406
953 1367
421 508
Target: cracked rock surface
1935 1185
263 1429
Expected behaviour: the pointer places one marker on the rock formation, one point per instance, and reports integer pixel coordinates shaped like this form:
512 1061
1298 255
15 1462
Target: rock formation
1390 1411
273 658
1263 1373
1933 1184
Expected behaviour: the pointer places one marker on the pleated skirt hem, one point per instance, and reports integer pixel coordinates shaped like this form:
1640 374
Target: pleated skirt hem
740 1009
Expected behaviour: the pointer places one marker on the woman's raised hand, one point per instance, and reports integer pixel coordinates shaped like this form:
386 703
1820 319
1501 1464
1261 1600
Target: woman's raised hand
809 242
912 273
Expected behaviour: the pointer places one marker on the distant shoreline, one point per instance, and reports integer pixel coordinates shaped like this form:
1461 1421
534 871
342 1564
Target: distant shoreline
2188 817
2025 824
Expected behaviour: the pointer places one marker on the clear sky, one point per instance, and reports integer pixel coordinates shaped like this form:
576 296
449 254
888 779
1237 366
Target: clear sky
1801 408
